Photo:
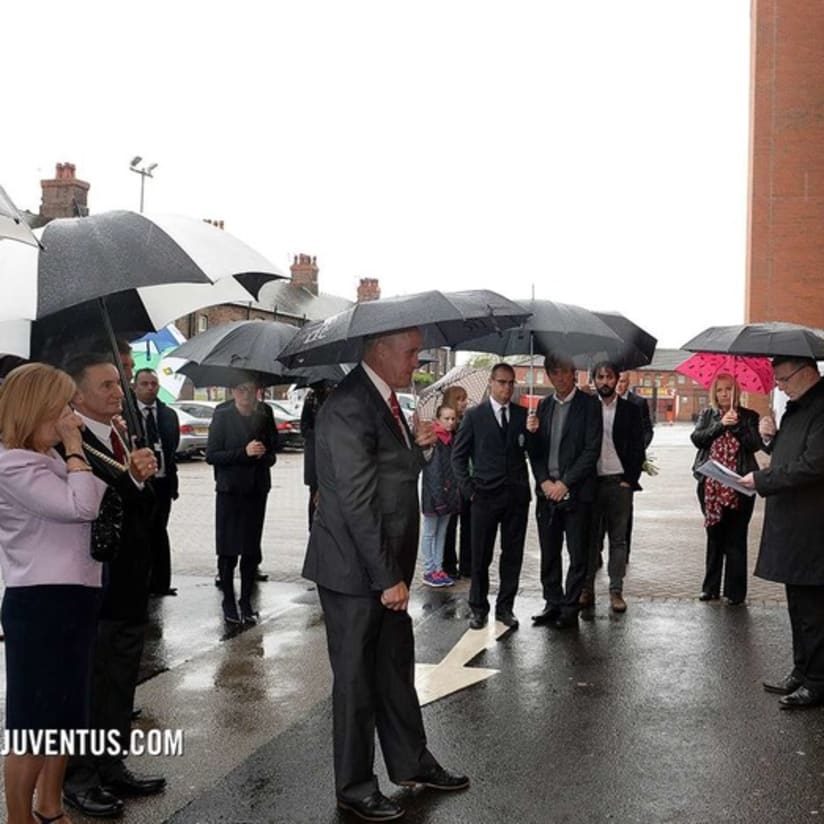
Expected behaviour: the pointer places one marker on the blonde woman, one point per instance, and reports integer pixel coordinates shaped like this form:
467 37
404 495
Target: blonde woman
50 605
728 433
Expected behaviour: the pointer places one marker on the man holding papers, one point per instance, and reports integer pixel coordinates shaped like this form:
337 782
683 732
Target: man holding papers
792 552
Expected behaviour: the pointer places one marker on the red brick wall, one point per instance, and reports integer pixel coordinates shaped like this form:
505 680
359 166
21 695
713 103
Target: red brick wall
785 260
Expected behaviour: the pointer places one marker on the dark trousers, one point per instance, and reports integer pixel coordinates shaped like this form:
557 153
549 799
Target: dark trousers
313 491
806 607
115 666
506 508
226 571
372 652
460 562
728 540
161 578
553 526
610 515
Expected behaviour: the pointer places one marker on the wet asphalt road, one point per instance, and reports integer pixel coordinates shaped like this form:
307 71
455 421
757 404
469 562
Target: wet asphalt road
654 716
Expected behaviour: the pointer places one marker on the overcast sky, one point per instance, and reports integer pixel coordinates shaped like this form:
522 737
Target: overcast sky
596 151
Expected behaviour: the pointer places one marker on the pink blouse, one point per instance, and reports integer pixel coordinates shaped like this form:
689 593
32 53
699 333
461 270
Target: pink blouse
45 520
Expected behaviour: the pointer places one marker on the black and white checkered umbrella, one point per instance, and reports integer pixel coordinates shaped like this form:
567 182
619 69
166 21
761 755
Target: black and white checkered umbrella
149 271
12 225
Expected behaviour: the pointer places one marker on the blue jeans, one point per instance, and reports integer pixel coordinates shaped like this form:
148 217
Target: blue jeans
433 539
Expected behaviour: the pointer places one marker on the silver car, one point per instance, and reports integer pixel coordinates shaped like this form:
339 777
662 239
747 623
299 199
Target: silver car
194 418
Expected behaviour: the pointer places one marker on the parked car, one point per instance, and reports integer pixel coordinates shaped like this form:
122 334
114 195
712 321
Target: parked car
407 403
288 425
193 418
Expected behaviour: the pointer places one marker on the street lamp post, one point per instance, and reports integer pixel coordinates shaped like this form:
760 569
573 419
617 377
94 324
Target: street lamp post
144 172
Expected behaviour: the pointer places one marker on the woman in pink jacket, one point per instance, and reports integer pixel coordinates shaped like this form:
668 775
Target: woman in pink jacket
49 611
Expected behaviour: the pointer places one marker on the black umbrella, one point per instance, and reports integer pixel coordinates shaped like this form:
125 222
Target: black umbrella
121 273
216 356
559 328
444 319
637 347
772 338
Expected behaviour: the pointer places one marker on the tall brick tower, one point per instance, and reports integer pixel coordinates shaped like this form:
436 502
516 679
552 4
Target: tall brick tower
64 196
785 249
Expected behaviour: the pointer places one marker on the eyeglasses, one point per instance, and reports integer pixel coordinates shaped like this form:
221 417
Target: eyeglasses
779 381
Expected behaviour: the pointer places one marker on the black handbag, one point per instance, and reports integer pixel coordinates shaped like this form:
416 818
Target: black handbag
107 527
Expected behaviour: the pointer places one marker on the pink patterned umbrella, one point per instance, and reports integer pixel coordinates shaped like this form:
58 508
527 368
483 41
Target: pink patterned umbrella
753 374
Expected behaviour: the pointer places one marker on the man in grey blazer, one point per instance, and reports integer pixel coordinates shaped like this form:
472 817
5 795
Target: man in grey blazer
563 452
361 554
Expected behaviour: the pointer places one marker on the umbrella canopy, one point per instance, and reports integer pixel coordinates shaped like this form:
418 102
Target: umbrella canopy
638 345
149 271
751 373
770 339
217 355
12 225
444 319
474 380
562 328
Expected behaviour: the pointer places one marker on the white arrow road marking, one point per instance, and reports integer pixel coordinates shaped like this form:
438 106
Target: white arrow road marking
434 681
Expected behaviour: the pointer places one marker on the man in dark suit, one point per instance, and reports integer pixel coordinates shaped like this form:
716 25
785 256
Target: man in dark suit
618 469
563 452
361 554
493 437
623 391
95 784
162 433
790 553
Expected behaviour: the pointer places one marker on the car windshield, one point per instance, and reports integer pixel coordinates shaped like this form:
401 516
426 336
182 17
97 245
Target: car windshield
196 410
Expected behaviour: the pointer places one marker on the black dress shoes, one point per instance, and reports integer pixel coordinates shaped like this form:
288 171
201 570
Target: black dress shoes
94 802
230 614
785 686
549 616
478 620
803 698
127 784
438 779
567 620
507 618
708 596
375 807
261 576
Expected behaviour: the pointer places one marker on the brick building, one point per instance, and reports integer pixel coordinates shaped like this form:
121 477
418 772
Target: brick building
785 249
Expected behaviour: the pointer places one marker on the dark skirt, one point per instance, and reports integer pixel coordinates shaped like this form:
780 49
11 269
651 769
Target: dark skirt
239 523
50 631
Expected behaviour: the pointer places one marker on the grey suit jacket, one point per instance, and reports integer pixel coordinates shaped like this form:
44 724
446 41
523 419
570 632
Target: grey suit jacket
365 533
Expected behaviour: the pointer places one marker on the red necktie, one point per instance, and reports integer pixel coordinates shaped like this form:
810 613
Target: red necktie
396 412
117 447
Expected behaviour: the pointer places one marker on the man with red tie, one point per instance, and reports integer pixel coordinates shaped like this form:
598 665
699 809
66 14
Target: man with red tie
361 554
94 785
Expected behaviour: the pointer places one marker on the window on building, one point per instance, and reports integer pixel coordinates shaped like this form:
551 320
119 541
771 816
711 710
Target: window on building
202 323
682 379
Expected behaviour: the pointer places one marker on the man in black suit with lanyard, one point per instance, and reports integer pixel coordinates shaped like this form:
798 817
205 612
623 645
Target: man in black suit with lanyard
563 452
361 554
95 784
162 432
493 436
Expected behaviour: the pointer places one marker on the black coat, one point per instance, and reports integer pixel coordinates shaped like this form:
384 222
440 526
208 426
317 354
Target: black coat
365 532
168 428
791 550
229 433
708 427
579 449
646 419
628 440
439 492
126 578
497 463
